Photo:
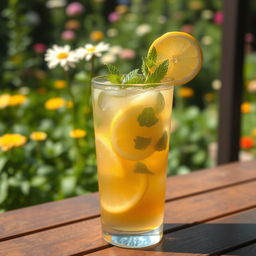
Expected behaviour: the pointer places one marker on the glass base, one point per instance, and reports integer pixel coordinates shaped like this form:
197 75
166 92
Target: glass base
134 239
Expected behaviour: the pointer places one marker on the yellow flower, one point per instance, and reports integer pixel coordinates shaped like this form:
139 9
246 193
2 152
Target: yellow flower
195 5
41 90
122 8
72 24
254 132
251 86
9 141
38 136
209 96
54 103
59 84
17 59
69 104
4 100
77 133
96 36
17 99
246 108
186 92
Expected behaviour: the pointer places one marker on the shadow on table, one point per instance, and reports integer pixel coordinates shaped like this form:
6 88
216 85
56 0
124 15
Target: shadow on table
207 238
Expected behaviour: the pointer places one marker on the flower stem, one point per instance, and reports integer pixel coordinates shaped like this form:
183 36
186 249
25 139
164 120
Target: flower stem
92 67
73 110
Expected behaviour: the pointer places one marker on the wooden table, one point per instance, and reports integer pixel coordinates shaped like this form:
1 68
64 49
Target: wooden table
210 212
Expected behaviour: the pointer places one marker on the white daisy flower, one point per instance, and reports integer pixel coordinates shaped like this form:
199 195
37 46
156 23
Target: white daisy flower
108 58
56 3
61 55
115 49
90 50
143 29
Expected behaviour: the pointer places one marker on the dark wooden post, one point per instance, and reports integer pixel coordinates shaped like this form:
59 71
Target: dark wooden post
232 80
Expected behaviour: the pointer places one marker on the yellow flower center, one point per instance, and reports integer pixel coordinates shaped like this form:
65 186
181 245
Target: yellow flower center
62 55
92 49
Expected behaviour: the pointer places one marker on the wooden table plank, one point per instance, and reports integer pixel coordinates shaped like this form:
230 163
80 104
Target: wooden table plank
249 250
86 235
80 208
203 239
50 214
208 179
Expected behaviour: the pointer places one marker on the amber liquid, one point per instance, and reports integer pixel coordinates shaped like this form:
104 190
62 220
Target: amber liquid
132 128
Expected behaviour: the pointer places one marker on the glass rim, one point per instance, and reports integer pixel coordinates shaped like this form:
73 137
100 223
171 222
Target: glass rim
97 81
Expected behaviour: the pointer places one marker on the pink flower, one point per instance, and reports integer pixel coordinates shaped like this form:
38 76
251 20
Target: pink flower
68 35
127 54
39 48
74 9
113 17
218 17
249 38
187 28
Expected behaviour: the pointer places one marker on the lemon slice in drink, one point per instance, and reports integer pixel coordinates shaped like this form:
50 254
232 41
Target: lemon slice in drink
136 129
120 188
184 54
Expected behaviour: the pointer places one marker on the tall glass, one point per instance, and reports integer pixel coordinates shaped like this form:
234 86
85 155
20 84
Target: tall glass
132 127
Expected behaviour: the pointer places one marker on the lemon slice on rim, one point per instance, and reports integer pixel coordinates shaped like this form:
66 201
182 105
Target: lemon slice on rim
120 188
136 128
184 54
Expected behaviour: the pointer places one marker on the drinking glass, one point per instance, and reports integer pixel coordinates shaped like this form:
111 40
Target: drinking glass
132 133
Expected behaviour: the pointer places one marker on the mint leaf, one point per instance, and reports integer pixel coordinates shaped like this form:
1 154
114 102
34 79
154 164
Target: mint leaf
159 73
160 103
130 76
113 69
152 55
141 142
142 168
147 117
144 67
162 143
115 79
139 79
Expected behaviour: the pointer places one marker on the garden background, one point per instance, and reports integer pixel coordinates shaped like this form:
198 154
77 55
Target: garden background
52 154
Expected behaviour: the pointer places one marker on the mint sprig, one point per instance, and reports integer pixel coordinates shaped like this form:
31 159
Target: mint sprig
132 77
158 73
113 69
114 76
151 71
149 62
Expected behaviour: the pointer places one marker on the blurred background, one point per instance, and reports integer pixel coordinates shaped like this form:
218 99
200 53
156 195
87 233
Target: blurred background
42 157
